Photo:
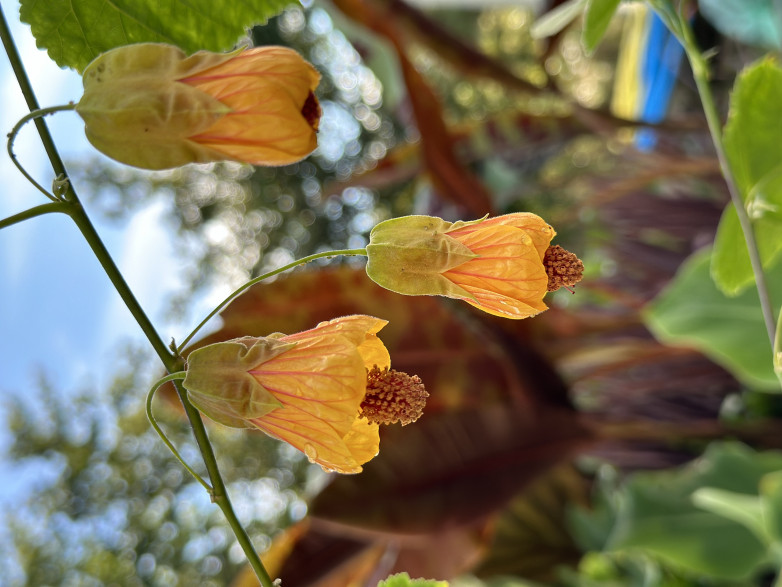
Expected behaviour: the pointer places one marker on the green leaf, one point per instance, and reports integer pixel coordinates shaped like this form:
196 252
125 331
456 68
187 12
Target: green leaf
692 312
771 495
739 507
755 22
752 137
596 20
74 32
658 517
404 580
555 20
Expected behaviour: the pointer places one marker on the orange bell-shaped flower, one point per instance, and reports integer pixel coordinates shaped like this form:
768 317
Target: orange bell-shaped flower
499 265
151 106
317 390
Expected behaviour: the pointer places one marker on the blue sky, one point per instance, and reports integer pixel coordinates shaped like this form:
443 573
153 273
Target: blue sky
58 311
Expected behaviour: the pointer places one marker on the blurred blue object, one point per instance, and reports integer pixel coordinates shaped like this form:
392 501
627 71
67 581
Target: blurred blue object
649 60
661 67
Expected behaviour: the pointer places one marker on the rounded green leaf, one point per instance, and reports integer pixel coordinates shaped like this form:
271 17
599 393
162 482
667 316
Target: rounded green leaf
692 312
74 32
752 137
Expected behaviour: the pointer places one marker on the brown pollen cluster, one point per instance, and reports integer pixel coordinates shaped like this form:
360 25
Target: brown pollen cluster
311 111
562 267
393 396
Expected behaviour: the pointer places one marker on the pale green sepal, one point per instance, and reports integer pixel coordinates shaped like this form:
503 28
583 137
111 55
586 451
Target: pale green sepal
462 223
219 384
137 112
408 255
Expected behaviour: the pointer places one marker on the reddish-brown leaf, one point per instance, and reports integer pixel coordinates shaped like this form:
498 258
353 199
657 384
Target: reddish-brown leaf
452 179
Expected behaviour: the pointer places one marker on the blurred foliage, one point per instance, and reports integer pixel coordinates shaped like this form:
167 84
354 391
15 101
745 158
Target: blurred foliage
113 506
712 522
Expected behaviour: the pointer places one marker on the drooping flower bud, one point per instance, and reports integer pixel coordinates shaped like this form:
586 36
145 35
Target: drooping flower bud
151 106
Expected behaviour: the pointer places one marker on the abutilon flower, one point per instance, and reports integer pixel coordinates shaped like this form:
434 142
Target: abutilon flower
502 265
324 390
151 106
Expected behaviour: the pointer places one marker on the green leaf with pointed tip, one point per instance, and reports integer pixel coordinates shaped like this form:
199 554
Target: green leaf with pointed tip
596 20
555 20
74 32
692 312
752 137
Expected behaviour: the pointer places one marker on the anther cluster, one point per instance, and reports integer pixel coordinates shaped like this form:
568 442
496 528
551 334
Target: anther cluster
393 396
562 267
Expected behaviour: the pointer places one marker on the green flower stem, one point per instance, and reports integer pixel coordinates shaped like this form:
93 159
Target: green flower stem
260 278
172 362
178 376
700 71
34 115
33 212
29 95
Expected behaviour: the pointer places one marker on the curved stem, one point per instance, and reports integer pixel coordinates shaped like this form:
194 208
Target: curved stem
172 362
29 95
33 212
260 278
35 114
700 70
179 375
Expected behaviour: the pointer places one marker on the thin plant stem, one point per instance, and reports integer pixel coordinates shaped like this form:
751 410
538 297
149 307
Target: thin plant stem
260 278
33 212
778 350
29 95
172 361
700 70
15 131
179 375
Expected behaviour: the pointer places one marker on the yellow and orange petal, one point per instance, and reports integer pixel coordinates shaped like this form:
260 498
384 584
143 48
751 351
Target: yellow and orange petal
321 442
320 384
274 114
507 278
533 225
